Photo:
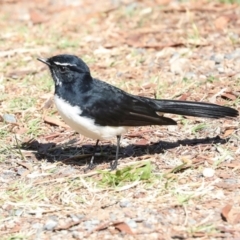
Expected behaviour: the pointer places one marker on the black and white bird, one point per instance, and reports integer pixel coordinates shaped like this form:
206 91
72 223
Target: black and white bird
101 111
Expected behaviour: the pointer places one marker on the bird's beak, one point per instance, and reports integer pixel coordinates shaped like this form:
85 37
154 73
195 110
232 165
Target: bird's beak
44 60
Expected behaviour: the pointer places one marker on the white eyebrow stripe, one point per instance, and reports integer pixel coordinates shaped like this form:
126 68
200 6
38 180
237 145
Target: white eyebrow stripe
65 64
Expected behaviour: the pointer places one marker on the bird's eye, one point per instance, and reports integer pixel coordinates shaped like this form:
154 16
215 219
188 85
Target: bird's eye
62 69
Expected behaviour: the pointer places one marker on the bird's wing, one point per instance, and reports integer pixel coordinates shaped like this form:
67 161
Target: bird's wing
110 106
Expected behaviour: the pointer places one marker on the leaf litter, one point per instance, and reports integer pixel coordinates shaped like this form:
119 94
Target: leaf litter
164 49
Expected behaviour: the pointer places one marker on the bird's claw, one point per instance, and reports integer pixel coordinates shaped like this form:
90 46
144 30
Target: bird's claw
113 165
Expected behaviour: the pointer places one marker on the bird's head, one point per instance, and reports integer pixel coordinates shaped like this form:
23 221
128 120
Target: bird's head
66 68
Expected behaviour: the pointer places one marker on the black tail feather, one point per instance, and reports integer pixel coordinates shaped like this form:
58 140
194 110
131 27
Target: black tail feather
197 109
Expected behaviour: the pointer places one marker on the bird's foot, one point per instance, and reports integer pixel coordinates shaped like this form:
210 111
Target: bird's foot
113 165
90 166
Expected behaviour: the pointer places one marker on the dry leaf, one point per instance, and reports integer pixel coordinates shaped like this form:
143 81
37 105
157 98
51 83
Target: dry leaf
225 211
51 136
149 85
231 214
55 121
228 132
123 227
229 95
184 96
142 142
221 22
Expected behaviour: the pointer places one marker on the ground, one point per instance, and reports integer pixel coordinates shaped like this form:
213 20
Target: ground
174 182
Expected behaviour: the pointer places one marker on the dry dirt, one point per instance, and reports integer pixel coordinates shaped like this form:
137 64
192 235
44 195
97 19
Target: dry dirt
174 182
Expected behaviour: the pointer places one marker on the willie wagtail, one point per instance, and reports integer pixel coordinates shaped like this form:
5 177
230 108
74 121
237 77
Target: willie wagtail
101 111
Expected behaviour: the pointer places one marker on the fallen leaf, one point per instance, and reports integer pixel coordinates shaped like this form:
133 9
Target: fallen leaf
228 95
55 121
149 85
231 214
221 22
228 132
184 96
123 227
142 142
51 136
225 212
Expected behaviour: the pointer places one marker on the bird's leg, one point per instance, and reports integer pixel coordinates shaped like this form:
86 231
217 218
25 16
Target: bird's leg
91 164
114 164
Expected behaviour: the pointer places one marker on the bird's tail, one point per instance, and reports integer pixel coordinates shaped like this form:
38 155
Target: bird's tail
197 109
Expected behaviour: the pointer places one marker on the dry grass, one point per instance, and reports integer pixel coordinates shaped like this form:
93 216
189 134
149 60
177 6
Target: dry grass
161 169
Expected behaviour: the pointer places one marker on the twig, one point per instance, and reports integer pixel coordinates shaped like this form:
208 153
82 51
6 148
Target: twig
68 225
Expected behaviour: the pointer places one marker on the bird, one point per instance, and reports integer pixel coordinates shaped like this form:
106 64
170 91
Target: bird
101 111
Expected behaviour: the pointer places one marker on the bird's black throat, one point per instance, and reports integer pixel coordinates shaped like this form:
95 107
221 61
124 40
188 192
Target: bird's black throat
75 92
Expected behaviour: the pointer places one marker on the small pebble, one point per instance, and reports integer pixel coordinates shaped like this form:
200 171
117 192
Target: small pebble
208 172
131 7
18 212
112 216
74 217
131 223
37 225
80 216
76 234
172 128
190 75
231 181
88 225
229 56
208 65
234 36
95 221
6 174
125 203
9 118
202 77
166 52
179 65
146 11
68 171
21 171
220 69
217 58
147 224
50 224
101 51
219 194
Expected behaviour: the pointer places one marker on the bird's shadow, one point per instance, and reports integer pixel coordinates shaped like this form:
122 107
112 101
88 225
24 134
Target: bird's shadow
81 155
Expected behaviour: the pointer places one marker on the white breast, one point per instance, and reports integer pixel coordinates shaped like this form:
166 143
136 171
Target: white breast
84 125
